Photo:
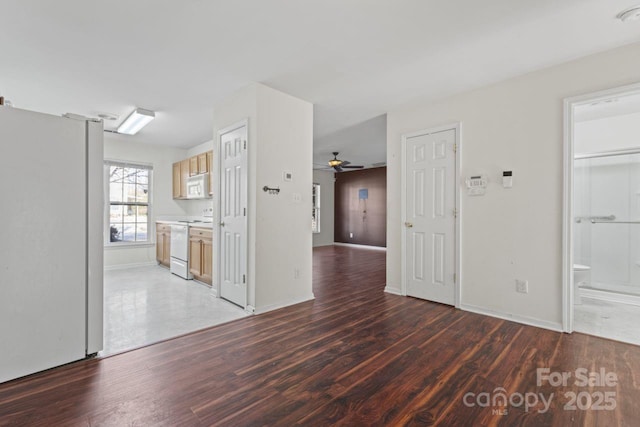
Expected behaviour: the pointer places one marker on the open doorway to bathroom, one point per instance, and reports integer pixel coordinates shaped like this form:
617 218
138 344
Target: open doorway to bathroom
604 258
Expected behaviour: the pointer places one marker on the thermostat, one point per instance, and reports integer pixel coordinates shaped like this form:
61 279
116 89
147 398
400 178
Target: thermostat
476 185
507 179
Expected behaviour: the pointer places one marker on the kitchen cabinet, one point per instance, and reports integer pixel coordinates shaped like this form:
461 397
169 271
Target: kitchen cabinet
176 181
199 164
210 170
201 254
163 244
180 176
203 164
193 165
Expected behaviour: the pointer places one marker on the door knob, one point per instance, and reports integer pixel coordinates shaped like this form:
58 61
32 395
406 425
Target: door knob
408 224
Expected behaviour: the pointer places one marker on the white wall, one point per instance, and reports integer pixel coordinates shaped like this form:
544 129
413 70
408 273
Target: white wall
280 138
327 180
516 233
163 205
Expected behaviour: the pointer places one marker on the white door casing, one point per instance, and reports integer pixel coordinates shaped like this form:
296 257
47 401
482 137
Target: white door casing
567 204
430 211
232 268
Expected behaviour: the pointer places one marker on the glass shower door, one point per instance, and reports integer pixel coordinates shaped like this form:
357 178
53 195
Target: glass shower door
607 229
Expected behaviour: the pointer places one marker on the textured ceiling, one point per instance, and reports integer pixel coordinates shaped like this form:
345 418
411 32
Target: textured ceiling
355 60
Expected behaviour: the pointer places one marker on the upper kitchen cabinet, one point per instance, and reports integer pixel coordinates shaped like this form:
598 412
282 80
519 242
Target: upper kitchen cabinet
203 164
196 165
180 176
210 169
193 166
176 181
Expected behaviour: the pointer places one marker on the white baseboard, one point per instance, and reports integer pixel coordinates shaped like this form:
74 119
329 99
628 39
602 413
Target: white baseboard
610 296
393 291
272 307
353 245
132 265
514 317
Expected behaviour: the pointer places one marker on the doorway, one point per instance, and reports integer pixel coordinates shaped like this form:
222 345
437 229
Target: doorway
602 214
430 200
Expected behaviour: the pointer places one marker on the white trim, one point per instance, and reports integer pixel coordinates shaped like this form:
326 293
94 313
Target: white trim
125 245
525 320
457 127
567 198
132 265
610 296
128 163
353 245
245 165
283 304
567 220
393 291
610 153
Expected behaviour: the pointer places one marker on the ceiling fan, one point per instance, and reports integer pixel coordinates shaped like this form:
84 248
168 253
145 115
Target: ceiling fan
339 165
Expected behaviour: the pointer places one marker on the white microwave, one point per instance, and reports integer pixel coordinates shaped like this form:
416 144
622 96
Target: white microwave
198 186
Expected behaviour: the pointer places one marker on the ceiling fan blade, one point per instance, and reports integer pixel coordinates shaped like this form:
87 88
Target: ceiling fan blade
338 168
345 163
352 167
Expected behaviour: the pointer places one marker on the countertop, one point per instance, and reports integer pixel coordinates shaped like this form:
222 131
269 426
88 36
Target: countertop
190 223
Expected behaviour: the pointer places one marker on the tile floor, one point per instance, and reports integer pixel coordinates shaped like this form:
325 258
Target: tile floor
620 322
144 305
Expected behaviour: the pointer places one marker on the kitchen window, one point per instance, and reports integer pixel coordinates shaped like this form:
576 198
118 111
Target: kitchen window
128 203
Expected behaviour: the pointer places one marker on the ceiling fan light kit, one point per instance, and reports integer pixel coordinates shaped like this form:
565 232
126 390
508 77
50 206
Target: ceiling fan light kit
339 165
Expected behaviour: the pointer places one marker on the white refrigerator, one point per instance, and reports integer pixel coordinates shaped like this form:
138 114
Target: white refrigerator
51 241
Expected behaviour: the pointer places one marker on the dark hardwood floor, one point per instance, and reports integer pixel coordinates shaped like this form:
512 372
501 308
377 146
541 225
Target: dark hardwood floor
354 356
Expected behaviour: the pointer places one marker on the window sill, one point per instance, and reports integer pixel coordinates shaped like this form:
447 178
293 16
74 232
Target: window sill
128 245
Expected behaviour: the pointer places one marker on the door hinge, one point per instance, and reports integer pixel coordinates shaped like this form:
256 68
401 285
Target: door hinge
244 278
244 210
455 212
455 148
245 144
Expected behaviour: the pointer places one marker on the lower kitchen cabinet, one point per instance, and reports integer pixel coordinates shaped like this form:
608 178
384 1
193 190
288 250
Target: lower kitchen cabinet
163 244
201 254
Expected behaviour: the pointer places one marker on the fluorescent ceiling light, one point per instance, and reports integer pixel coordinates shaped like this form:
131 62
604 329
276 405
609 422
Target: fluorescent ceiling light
136 121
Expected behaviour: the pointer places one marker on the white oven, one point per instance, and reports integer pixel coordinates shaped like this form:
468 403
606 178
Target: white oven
180 251
198 186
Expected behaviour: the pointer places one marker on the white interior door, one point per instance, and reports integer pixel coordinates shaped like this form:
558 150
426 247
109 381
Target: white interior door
233 216
430 216
43 249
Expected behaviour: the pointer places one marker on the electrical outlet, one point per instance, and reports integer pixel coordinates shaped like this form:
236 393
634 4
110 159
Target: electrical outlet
522 286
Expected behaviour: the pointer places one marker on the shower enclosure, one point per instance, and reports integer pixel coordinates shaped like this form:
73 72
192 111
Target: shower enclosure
607 219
